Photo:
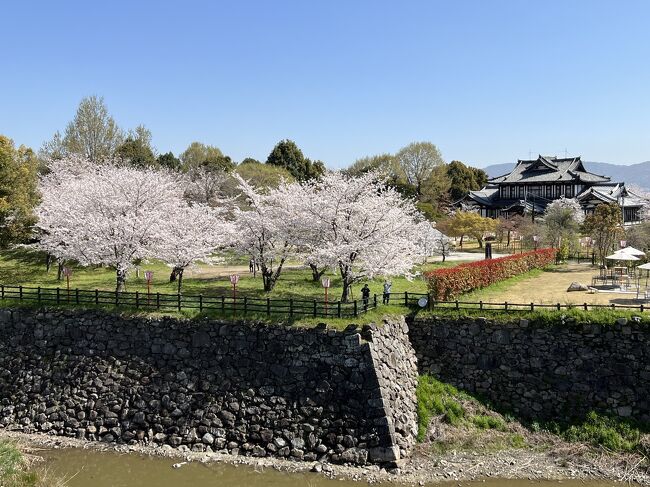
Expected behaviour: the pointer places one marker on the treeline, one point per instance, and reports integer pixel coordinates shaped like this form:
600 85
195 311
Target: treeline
417 171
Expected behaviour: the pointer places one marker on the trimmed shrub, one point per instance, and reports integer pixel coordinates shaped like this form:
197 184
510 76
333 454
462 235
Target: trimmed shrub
446 284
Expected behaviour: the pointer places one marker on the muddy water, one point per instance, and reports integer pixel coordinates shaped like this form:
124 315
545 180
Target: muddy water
83 468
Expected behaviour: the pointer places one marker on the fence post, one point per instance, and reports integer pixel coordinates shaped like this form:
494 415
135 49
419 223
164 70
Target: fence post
245 305
593 258
290 307
58 295
2 291
374 300
178 297
158 300
641 307
200 303
457 305
76 295
532 306
116 298
505 306
355 308
96 297
428 301
338 309
406 298
223 304
559 307
268 306
38 291
20 293
314 308
137 299
585 306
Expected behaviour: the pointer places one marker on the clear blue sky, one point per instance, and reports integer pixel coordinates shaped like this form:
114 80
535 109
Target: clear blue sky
487 81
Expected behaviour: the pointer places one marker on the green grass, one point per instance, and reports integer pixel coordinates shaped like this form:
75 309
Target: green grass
485 422
489 292
437 398
614 434
13 468
20 267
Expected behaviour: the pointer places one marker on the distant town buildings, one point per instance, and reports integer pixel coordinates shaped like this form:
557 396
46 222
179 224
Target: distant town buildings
533 184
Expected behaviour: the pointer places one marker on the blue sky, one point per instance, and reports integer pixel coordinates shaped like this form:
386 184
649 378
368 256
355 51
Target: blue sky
487 81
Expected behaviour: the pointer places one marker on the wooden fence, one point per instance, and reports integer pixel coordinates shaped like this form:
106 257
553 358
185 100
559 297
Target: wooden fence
227 305
254 306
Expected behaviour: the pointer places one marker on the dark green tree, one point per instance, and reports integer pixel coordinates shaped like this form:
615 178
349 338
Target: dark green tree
136 152
464 179
169 161
286 154
198 154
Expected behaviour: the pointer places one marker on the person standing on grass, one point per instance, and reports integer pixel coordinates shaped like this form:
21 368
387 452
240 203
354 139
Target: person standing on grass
251 266
365 295
387 288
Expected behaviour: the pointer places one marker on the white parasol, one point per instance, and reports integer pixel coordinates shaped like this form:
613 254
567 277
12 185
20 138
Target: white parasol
632 251
620 255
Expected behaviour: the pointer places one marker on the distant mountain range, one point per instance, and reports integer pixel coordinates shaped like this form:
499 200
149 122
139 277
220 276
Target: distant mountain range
633 175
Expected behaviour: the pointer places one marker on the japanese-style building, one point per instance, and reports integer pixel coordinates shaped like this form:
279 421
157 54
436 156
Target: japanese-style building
533 184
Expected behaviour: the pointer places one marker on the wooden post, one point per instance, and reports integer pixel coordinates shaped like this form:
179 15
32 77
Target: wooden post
137 299
314 308
559 307
356 311
76 295
585 306
505 305
96 297
290 307
338 309
532 306
245 305
116 298
480 304
374 300
268 306
457 306
20 293
428 301
223 304
200 303
58 295
178 297
2 291
158 300
38 291
406 298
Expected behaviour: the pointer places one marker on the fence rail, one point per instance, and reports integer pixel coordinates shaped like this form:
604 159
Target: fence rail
239 305
245 305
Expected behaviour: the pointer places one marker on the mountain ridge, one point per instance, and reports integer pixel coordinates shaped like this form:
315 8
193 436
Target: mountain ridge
635 174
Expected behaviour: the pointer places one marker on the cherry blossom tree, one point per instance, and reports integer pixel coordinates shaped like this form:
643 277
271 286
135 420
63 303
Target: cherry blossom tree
193 234
106 213
432 241
357 225
562 219
262 230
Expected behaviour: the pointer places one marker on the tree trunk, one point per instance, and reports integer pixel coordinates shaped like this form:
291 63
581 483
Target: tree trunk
508 244
346 279
461 241
59 271
49 258
174 274
269 276
120 280
444 256
315 273
180 279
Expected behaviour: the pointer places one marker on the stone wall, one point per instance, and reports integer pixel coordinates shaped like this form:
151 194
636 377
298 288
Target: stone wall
206 385
541 371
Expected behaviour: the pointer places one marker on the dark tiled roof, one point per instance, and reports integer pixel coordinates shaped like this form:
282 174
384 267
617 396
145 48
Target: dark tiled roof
546 169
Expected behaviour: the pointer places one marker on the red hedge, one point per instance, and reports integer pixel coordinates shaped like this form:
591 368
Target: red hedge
446 284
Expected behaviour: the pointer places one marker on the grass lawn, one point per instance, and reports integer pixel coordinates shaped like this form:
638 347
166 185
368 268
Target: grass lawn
549 286
19 267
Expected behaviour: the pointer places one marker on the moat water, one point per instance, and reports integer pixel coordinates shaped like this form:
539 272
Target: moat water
84 468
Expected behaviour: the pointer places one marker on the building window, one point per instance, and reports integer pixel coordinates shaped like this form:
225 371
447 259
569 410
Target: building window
521 191
549 191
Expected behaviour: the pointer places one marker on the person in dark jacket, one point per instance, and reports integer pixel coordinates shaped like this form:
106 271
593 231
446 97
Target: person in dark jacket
365 295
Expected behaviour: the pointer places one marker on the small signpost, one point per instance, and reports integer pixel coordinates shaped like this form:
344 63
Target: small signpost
325 281
535 239
148 275
67 272
234 279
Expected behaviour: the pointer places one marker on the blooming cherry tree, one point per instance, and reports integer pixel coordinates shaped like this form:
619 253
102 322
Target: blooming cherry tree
193 234
357 225
262 230
106 213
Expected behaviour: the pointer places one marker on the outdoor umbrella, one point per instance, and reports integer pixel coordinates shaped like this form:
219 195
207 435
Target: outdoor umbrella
620 255
632 251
